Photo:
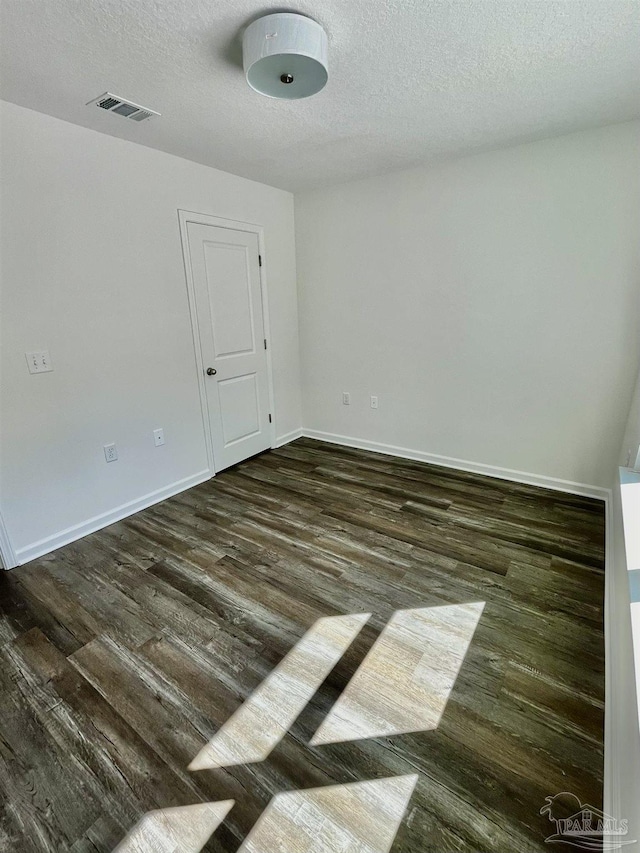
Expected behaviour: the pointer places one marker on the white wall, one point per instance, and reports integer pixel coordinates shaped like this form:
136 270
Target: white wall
491 303
92 270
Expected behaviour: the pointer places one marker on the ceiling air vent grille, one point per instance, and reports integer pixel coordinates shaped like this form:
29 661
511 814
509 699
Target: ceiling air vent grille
126 109
107 103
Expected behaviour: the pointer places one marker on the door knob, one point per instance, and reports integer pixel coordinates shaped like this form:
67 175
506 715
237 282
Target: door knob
211 371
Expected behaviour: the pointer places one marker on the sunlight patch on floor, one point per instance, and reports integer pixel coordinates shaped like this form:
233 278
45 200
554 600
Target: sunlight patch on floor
185 829
261 722
404 683
361 817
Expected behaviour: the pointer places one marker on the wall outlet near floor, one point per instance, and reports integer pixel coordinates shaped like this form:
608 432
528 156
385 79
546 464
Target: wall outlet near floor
158 437
39 362
346 398
374 402
110 453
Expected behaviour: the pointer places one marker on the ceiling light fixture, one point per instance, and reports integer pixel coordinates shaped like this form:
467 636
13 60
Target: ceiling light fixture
285 56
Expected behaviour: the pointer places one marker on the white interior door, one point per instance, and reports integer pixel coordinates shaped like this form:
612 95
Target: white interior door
226 280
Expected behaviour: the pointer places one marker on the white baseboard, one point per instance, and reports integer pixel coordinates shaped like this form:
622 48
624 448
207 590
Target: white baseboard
611 792
288 437
464 465
64 537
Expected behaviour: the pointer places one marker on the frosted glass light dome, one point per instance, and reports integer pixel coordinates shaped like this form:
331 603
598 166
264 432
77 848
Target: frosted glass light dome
285 56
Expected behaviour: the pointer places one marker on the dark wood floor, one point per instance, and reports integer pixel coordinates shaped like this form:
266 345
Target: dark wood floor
121 654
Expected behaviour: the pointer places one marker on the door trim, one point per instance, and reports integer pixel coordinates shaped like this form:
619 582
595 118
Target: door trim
8 559
184 217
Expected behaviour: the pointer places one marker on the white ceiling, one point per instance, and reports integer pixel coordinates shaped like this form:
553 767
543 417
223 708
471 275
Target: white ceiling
410 80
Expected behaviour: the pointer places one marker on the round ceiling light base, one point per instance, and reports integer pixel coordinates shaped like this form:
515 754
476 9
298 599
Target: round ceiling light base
285 56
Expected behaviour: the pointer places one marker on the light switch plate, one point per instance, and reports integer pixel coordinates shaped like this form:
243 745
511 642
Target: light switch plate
39 362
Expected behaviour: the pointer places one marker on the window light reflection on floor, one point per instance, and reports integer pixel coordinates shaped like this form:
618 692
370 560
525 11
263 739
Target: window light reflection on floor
402 685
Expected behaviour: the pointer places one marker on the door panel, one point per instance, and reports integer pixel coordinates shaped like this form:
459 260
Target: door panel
226 278
239 408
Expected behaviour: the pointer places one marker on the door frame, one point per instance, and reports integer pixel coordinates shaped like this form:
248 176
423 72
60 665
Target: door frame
184 217
8 558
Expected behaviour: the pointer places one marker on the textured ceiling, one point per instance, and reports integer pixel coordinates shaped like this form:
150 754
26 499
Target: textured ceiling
410 80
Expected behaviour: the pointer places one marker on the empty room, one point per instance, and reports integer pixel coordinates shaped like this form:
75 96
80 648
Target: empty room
319 426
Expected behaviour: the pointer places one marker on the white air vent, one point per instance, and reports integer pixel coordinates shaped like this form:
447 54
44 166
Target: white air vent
127 109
